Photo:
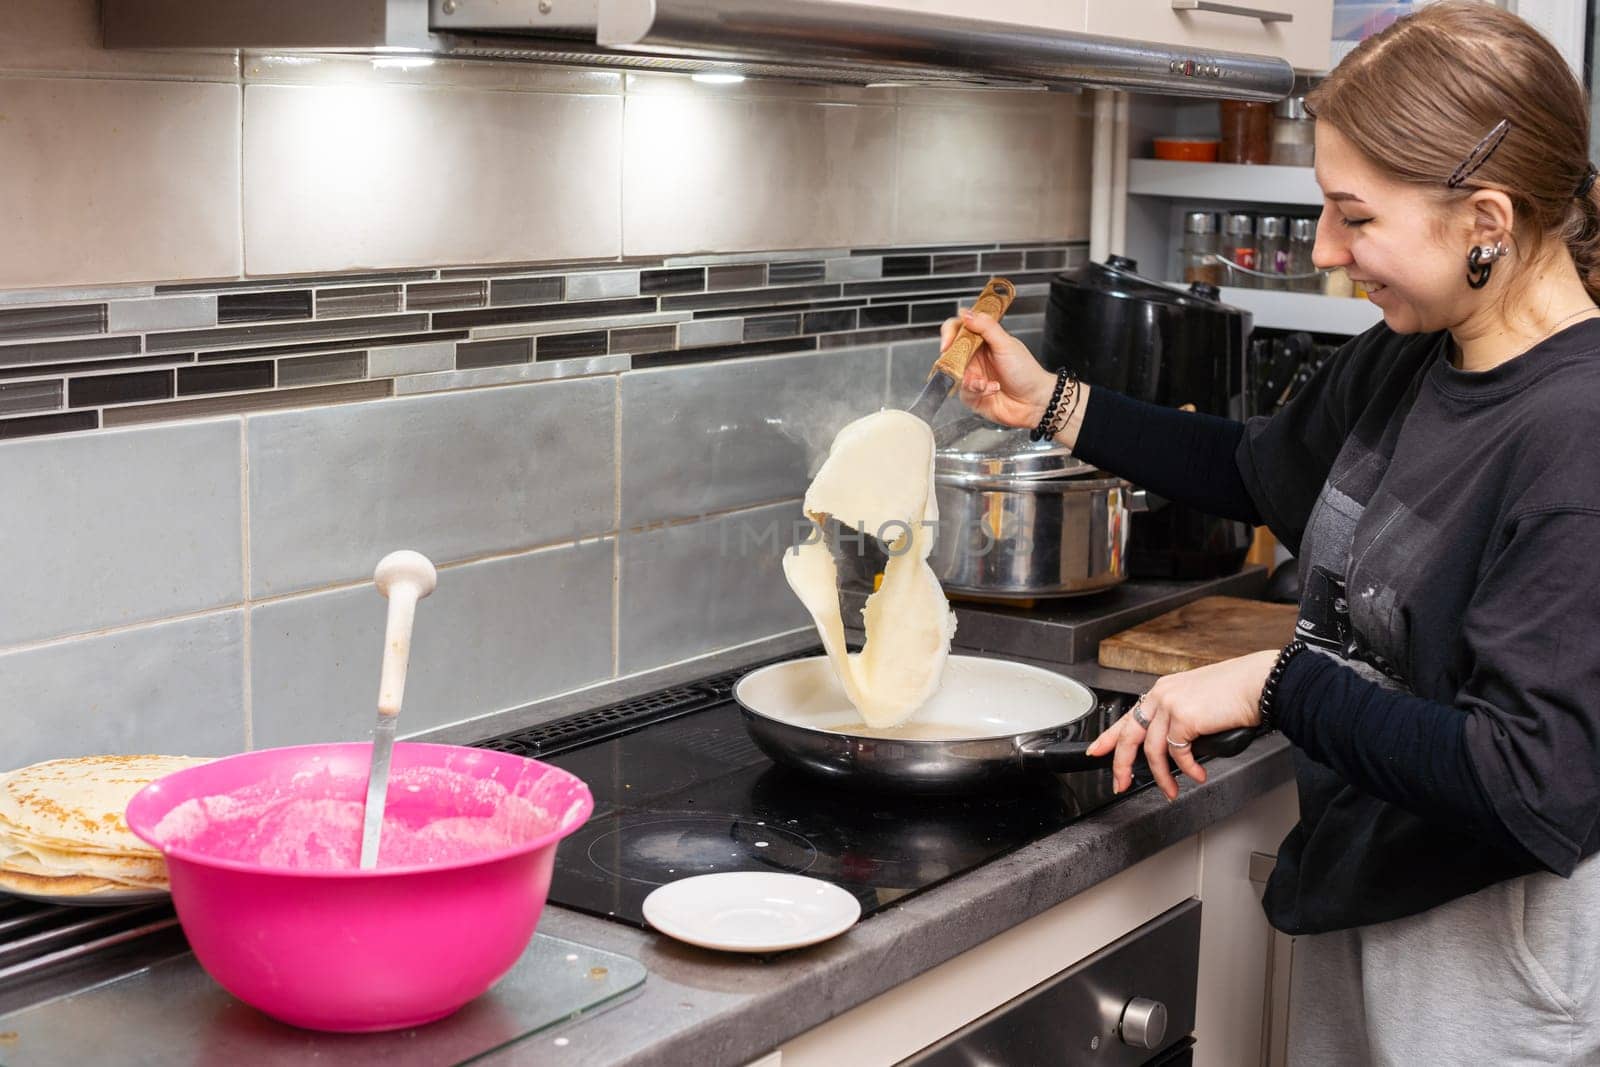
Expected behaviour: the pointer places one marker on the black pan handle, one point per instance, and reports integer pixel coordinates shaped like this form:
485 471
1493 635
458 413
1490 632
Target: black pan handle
1064 757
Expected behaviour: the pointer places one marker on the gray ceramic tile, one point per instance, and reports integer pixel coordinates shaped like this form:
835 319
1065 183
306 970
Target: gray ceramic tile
240 403
769 255
599 322
698 587
441 295
453 476
29 323
644 339
525 291
18 397
358 300
603 285
117 179
315 370
331 169
854 269
476 354
493 635
161 313
118 528
716 436
710 332
525 372
411 359
18 297
172 687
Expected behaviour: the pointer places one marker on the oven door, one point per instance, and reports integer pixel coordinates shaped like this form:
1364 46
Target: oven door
1131 1004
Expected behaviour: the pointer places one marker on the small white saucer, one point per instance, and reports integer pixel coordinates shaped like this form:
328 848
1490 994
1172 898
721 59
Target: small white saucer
751 911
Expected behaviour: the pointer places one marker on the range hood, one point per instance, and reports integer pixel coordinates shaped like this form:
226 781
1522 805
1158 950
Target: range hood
813 40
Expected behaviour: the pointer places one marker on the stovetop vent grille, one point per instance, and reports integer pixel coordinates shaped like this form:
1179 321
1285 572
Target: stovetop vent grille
587 727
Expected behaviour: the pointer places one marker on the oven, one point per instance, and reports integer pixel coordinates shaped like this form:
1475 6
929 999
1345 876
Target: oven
1132 1004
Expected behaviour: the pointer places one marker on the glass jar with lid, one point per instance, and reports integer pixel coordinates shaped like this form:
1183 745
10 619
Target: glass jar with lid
1303 275
1246 131
1239 249
1293 133
1199 250
1272 251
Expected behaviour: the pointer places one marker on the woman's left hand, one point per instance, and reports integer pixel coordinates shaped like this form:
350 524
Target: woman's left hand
1182 707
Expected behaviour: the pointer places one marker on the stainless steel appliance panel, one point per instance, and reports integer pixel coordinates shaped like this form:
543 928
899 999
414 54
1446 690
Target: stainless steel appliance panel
1130 1004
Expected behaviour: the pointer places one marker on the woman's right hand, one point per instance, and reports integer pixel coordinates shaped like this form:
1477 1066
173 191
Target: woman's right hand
1004 382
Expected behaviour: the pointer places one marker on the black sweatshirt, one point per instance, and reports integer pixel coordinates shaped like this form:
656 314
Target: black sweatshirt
1447 731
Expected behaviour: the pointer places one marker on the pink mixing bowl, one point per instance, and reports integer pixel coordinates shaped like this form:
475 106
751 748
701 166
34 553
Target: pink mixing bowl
358 950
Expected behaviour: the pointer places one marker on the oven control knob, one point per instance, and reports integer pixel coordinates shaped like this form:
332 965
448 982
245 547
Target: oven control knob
1143 1023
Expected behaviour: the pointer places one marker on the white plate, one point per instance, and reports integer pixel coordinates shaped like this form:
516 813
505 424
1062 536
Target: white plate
751 911
105 898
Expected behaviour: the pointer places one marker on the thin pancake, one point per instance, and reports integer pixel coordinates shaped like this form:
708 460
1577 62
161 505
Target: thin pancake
75 885
77 804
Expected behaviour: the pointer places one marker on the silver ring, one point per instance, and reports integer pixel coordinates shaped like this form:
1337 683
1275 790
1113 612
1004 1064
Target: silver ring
1178 744
1138 718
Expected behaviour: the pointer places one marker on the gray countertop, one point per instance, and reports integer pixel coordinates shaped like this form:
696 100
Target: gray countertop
712 1008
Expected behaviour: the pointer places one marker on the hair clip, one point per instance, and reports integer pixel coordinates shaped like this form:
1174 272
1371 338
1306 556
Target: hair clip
1480 154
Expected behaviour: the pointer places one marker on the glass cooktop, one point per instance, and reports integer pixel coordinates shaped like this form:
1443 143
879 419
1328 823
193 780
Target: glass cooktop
680 789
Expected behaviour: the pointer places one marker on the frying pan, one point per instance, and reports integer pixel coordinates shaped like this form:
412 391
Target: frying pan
991 723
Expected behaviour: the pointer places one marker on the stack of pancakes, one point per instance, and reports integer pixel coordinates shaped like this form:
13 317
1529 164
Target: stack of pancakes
62 831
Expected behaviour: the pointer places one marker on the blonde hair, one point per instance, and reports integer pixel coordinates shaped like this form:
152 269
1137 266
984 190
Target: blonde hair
1419 97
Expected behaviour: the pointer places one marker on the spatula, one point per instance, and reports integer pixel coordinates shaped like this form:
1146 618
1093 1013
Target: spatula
946 375
404 577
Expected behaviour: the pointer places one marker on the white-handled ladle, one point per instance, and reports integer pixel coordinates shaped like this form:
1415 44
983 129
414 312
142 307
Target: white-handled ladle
404 577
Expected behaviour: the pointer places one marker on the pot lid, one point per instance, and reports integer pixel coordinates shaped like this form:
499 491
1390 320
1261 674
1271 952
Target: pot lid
975 447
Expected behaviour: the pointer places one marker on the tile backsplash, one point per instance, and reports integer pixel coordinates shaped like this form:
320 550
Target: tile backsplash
579 336
191 350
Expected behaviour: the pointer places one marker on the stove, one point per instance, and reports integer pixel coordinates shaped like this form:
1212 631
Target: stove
680 790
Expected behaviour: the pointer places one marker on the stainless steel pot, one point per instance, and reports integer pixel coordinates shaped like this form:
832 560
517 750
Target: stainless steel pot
1019 518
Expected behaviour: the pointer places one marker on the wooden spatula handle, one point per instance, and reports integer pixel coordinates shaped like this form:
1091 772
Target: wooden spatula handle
994 300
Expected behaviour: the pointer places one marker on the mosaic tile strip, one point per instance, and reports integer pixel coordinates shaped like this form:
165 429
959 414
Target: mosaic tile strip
89 358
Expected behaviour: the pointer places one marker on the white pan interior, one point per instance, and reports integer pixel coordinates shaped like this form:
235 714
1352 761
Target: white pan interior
977 698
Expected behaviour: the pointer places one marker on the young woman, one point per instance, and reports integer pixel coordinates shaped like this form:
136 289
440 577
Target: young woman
1439 481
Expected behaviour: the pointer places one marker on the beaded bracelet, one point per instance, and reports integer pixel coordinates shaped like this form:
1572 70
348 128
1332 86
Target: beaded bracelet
1269 691
1049 426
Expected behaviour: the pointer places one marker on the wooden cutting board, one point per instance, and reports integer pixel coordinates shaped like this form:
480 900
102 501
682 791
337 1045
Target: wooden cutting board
1208 630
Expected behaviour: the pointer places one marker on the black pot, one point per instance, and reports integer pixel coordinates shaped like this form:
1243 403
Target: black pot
1115 328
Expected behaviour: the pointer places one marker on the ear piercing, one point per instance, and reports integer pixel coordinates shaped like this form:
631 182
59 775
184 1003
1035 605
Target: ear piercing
1480 261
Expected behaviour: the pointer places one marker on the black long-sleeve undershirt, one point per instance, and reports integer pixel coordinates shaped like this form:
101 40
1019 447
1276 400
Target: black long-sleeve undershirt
1181 455
1404 749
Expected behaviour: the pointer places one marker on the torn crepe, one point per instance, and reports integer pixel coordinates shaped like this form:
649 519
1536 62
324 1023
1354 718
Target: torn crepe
878 478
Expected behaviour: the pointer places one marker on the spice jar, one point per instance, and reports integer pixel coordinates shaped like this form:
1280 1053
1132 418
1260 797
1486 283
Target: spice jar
1239 249
1302 272
1293 133
1272 250
1246 132
1199 252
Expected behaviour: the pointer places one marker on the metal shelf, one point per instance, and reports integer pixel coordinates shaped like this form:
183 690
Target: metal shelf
1236 182
1313 312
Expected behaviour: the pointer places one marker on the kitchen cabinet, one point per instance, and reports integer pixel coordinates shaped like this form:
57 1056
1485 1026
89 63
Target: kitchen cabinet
1233 1020
1241 1011
1300 31
1049 14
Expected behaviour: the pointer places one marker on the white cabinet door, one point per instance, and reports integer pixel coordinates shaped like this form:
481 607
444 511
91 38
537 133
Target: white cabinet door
1304 40
1235 940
